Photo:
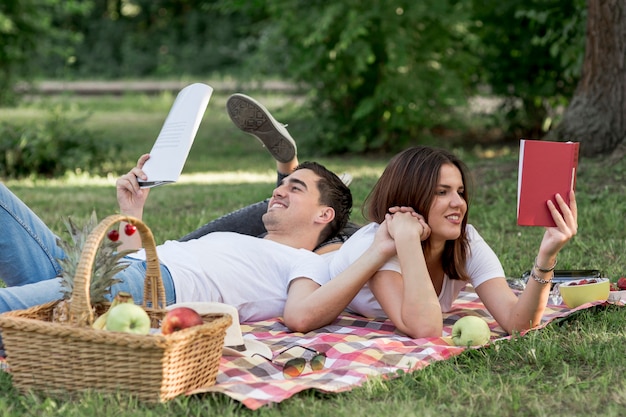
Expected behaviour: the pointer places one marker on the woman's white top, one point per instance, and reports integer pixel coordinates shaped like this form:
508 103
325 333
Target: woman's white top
482 264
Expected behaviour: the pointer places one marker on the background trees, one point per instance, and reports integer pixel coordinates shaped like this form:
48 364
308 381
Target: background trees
146 38
376 75
530 55
596 115
25 27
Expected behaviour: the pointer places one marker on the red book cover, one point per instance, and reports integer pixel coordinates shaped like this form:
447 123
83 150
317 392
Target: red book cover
545 169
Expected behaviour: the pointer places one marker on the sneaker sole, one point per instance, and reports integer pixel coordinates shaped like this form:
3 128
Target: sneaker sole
346 178
251 117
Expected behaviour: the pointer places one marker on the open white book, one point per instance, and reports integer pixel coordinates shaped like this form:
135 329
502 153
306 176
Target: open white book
172 146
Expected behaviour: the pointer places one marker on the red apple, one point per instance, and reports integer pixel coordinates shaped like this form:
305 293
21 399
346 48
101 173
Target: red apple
180 318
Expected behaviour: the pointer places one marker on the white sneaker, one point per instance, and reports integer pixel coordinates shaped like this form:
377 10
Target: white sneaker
252 117
346 178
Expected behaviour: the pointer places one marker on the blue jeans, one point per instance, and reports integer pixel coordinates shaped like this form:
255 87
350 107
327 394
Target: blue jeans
247 220
29 261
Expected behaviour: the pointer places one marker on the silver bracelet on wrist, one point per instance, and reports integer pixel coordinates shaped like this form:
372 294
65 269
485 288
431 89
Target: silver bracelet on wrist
545 270
539 280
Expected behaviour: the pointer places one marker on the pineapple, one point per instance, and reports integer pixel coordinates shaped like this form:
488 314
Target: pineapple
106 265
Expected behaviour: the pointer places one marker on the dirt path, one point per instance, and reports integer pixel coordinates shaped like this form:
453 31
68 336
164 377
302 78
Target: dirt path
151 87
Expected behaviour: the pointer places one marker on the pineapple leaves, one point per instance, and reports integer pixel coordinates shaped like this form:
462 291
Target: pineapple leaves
107 263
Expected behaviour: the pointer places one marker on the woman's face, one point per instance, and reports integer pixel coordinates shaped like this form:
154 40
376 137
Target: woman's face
448 207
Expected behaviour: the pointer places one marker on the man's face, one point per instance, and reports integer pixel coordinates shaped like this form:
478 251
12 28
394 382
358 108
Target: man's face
295 202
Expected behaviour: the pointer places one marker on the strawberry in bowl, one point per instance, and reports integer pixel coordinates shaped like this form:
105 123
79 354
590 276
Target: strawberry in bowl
586 290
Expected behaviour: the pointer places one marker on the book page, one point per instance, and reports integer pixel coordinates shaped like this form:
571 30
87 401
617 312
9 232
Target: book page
172 146
519 173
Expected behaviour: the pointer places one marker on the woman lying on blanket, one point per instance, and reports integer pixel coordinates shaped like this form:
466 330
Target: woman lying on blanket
438 252
426 277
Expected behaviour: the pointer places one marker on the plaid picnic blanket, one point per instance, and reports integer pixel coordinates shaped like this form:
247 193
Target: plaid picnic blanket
356 349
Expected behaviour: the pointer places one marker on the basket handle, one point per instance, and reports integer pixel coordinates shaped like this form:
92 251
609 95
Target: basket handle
80 309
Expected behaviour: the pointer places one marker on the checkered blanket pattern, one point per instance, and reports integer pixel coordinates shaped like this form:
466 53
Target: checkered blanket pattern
356 349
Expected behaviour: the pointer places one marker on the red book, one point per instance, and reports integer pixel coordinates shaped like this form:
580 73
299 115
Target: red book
545 169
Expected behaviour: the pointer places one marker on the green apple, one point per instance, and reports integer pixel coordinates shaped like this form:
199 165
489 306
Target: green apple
129 318
470 331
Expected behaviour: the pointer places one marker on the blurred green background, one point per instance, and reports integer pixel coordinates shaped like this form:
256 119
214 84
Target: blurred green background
373 76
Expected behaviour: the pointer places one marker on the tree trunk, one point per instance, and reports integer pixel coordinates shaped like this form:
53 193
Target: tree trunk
596 116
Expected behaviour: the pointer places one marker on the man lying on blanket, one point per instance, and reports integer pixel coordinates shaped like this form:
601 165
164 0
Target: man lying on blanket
278 275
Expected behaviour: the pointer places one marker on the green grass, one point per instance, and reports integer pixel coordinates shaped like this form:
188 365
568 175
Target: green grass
570 368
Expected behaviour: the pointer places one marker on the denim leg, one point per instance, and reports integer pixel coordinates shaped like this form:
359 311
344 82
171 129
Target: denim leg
247 220
28 248
30 295
133 279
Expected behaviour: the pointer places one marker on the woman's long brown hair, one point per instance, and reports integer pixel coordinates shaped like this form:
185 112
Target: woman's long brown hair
410 179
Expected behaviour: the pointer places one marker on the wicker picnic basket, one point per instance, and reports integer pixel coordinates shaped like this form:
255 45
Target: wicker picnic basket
58 358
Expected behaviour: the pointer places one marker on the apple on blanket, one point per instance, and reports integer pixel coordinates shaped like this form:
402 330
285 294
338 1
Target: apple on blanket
470 331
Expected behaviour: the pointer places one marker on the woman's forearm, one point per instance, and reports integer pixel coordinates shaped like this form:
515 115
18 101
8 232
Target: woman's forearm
420 311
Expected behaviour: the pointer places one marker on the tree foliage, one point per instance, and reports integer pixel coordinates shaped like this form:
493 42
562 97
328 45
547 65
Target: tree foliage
531 55
380 75
149 38
53 147
377 75
596 115
22 22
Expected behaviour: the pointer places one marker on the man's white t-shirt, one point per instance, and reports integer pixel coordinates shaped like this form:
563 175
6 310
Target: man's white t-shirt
482 264
247 272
